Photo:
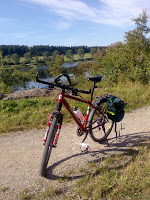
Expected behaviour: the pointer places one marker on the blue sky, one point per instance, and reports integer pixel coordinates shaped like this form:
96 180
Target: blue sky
67 22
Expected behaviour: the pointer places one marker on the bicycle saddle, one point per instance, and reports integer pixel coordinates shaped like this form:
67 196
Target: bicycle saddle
96 79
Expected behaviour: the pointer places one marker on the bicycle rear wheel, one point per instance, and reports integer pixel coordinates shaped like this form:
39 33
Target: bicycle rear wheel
100 126
48 146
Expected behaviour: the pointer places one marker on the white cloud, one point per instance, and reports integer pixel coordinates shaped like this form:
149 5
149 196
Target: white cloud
27 35
63 25
121 12
113 12
21 35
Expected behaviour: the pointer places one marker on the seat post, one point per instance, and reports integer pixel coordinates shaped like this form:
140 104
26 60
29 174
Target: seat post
92 91
95 80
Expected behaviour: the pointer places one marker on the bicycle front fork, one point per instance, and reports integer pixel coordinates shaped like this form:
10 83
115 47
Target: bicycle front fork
57 132
59 123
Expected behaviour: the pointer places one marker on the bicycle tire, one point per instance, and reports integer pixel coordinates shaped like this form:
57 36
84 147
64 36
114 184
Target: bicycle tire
100 133
48 146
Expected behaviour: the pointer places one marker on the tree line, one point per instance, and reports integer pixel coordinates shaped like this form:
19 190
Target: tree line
42 54
39 50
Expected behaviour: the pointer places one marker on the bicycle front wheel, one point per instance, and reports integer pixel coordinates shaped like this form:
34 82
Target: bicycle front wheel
48 146
100 126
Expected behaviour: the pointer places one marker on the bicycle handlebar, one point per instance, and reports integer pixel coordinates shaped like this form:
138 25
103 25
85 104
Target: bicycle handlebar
63 86
59 76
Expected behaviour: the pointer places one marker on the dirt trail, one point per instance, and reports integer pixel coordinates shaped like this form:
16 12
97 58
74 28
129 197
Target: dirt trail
21 153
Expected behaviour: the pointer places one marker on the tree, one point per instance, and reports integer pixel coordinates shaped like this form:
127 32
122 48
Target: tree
15 58
1 58
56 66
36 59
93 51
138 47
137 39
141 23
7 60
98 55
129 60
54 54
11 79
46 56
59 60
69 54
80 52
28 57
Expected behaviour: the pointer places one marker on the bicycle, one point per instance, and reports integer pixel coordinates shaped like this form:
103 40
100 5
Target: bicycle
95 122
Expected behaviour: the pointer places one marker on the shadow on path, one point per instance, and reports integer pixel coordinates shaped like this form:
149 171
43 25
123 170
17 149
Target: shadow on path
129 140
120 145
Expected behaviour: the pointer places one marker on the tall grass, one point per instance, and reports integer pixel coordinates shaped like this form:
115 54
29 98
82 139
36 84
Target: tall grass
33 113
136 95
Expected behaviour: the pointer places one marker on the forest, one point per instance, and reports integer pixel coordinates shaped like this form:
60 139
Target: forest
39 50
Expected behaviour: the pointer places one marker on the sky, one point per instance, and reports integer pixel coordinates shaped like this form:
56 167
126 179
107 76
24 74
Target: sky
67 22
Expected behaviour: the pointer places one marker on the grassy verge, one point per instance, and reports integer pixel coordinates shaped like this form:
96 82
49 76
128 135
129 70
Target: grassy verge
119 177
33 113
76 57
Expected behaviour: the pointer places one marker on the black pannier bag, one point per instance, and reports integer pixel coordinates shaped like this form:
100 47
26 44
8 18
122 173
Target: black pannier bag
115 108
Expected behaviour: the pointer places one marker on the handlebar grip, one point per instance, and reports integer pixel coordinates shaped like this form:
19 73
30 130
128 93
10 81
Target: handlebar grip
40 81
50 85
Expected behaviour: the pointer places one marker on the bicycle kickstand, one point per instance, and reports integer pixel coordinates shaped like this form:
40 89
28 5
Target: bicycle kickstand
108 145
86 146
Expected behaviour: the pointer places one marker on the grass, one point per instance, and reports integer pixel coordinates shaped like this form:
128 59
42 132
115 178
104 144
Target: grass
76 57
25 195
25 113
135 95
50 192
34 113
118 177
4 188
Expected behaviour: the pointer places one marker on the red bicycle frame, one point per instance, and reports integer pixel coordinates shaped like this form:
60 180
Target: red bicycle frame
62 101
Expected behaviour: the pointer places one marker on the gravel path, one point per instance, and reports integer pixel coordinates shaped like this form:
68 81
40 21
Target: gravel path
21 153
